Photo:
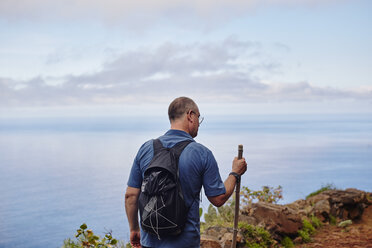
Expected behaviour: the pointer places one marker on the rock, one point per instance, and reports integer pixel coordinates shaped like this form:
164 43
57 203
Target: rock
279 220
207 241
297 240
227 238
344 204
369 198
248 219
322 209
286 220
319 197
222 235
354 231
355 212
212 232
345 223
217 231
299 204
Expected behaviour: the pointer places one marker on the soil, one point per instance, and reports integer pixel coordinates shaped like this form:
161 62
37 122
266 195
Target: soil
357 235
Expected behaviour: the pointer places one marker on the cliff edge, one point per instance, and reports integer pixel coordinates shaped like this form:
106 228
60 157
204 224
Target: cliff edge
330 207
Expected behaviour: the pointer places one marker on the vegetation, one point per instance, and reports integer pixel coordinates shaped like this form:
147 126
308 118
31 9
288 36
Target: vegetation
369 196
304 235
308 229
224 215
328 186
256 237
332 220
315 221
267 194
85 238
287 242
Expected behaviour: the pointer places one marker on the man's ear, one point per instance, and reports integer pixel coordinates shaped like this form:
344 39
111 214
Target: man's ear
189 116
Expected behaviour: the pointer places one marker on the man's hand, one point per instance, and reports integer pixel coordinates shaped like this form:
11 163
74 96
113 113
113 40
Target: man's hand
135 237
239 166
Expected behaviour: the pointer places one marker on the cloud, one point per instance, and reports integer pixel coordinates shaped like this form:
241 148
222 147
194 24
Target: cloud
220 71
304 91
141 10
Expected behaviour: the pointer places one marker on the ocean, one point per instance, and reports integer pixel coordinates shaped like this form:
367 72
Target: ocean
57 173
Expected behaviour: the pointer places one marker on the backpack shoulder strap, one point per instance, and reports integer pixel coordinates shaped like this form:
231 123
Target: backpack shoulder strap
157 145
178 148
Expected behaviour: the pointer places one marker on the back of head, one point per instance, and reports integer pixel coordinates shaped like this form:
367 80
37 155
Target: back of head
180 106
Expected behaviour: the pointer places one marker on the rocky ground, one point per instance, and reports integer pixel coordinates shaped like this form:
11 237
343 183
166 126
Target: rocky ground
357 235
286 220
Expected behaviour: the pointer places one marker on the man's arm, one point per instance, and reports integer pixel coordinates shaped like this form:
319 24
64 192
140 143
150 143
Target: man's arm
238 166
131 208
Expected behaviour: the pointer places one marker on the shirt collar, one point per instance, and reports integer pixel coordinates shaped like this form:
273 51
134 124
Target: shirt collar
178 133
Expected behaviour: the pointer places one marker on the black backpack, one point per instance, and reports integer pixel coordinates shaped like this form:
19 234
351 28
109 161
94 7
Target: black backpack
162 207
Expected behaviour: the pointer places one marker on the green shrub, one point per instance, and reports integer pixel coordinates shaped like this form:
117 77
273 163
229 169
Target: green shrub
267 194
224 215
256 237
221 216
255 245
87 239
227 211
369 196
307 230
304 235
308 227
200 212
332 220
68 243
315 221
211 215
287 242
328 186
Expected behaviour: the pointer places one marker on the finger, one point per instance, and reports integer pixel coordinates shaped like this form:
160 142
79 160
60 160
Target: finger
136 244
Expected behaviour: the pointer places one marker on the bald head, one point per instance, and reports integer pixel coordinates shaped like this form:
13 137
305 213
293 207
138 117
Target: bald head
180 106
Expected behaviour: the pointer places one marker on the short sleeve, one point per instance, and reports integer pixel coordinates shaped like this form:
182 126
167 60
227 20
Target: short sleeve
212 182
135 176
142 159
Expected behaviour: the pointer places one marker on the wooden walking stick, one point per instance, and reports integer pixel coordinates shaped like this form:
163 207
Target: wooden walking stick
237 201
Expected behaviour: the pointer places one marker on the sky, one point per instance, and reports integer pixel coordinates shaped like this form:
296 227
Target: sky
80 57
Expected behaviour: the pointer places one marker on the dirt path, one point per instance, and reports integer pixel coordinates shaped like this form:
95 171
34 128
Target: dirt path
357 235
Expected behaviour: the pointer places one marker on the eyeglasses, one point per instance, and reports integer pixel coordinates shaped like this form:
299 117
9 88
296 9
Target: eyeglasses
200 118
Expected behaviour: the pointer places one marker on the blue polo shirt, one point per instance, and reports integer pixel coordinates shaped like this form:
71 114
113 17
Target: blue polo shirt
197 168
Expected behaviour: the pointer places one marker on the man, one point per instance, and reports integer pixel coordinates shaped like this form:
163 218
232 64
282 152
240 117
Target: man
197 168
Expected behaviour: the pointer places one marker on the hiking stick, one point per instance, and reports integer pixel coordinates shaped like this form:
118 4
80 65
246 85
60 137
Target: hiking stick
237 201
